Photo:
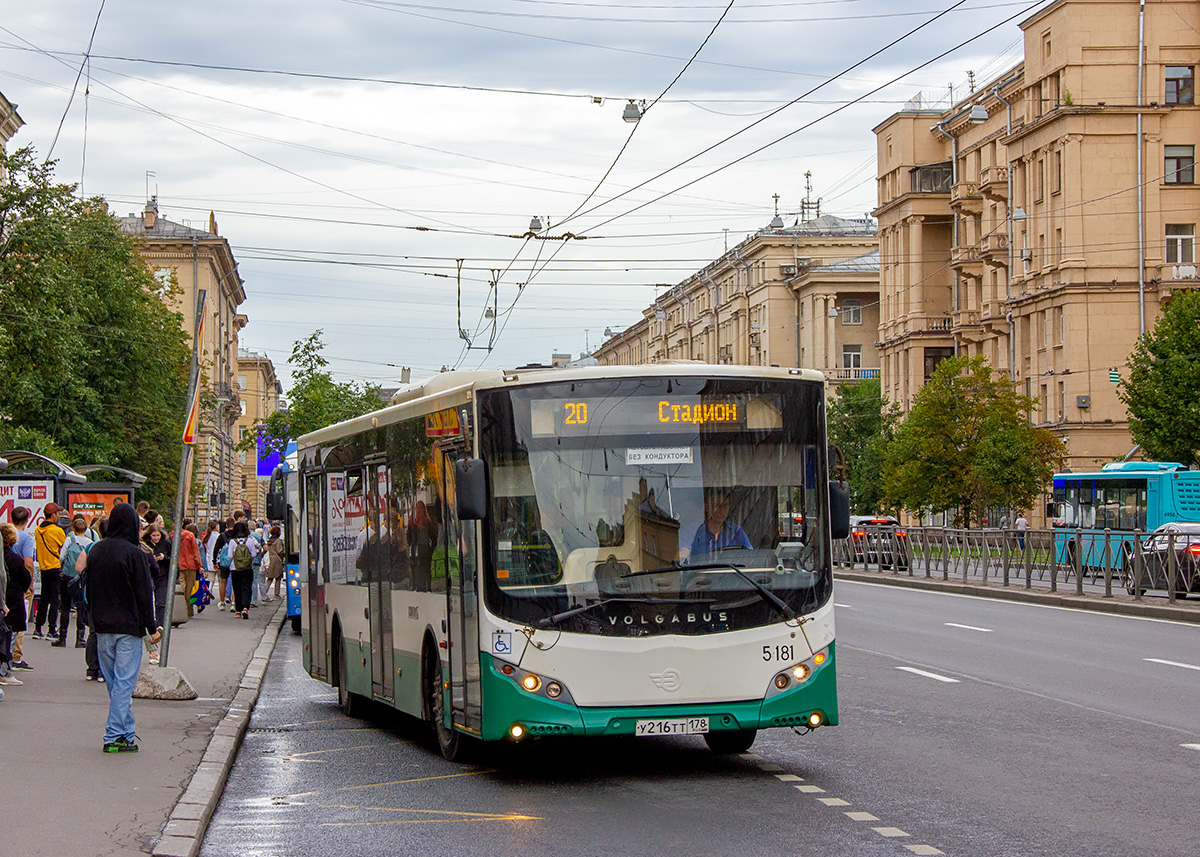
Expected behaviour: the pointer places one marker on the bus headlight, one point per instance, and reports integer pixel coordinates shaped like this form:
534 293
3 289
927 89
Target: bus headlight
516 731
782 681
553 689
531 683
802 672
816 719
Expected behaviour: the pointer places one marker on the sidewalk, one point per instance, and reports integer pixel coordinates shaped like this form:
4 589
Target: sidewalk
1152 605
62 795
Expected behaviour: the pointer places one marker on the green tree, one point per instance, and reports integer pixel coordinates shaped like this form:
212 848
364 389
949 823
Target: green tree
967 444
1163 389
861 427
93 360
315 400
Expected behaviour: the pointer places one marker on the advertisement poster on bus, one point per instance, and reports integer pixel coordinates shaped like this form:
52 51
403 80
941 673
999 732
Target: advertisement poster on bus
347 518
33 494
94 504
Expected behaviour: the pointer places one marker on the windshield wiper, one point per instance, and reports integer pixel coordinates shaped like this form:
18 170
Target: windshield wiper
549 621
767 595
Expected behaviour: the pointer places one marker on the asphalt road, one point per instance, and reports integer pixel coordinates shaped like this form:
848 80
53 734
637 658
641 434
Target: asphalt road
969 727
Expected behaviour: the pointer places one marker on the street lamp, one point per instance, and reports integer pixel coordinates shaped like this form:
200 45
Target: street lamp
634 111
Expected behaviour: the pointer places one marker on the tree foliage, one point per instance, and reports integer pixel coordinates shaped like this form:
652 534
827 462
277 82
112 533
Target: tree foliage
967 444
94 364
315 400
862 427
1163 389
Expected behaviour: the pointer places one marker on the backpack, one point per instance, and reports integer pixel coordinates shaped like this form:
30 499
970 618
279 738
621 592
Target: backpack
74 549
223 555
242 559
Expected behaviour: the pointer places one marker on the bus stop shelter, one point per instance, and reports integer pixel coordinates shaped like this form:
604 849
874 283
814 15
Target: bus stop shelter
32 480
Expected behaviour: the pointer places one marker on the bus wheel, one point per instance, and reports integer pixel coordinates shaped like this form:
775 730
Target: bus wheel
734 741
350 703
451 743
296 624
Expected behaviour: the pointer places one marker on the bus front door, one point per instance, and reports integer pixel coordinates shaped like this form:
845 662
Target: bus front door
318 646
379 576
462 627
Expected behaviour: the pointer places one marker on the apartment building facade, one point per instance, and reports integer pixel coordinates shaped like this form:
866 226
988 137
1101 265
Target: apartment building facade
1029 225
804 295
10 123
201 260
261 395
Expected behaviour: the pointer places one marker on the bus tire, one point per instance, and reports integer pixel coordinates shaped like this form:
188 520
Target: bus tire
296 624
351 703
732 741
451 743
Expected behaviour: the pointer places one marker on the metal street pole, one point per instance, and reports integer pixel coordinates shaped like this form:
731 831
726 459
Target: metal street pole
185 469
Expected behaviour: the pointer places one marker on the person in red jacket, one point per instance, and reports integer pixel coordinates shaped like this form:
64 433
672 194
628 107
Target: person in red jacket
189 561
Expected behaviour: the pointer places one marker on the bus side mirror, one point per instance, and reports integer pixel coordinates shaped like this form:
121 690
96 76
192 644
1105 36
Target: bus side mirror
470 489
1051 510
276 511
839 511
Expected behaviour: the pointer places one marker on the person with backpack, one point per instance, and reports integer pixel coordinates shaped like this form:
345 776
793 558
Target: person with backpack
221 560
91 654
189 561
242 549
49 538
74 547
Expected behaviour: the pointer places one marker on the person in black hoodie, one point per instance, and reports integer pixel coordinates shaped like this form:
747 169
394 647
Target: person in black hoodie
120 598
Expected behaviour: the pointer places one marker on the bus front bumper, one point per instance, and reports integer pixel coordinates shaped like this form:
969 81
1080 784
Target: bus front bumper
512 712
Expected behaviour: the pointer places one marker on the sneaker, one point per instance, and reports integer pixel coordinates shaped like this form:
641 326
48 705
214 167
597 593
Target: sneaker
100 679
80 644
37 635
245 614
10 681
154 657
91 676
221 605
60 643
121 745
22 665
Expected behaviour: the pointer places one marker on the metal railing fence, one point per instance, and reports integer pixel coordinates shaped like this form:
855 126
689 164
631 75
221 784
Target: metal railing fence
1064 559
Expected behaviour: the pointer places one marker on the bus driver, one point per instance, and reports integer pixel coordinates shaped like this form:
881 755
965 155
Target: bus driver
717 531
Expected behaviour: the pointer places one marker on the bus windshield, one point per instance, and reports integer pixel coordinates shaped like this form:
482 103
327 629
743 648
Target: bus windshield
656 503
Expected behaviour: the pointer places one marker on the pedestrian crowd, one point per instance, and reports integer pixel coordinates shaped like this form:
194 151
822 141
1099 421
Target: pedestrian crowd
114 574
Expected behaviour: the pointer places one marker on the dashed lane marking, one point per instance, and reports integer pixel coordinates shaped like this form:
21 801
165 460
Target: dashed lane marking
1172 663
1191 746
861 816
968 627
810 790
923 849
927 674
769 768
890 832
453 817
789 778
301 757
833 801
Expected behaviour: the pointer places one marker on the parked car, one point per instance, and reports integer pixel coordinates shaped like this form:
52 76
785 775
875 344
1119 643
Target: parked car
879 539
1156 554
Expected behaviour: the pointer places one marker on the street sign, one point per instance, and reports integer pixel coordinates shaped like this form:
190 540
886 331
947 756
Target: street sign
1114 375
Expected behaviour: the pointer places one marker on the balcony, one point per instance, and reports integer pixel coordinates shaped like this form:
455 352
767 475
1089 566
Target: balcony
993 183
968 260
965 196
856 374
995 249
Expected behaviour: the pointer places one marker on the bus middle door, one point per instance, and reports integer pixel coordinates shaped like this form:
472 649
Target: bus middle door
379 582
462 624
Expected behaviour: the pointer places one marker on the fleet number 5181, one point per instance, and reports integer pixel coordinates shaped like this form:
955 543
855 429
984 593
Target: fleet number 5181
778 653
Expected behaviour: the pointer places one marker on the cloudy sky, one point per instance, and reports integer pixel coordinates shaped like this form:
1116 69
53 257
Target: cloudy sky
355 150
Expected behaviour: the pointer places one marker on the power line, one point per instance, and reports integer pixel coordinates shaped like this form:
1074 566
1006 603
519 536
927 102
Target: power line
75 86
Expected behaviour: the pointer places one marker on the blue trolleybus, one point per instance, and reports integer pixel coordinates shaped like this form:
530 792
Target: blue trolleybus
590 551
283 500
1120 498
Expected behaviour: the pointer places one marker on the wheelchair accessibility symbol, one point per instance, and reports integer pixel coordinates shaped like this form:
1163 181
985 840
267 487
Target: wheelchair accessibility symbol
502 642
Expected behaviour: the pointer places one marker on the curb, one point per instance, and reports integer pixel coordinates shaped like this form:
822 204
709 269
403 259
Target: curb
1094 603
184 831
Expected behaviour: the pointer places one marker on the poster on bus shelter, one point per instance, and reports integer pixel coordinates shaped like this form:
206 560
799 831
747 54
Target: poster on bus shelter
33 494
94 504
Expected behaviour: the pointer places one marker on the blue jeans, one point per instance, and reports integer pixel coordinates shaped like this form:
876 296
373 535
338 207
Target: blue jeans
120 662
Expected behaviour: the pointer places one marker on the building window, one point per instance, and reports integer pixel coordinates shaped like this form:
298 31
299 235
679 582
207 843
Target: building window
1180 165
1062 399
934 356
1060 327
1059 249
243 481
1047 45
852 311
241 382
931 178
1058 171
1181 243
1045 401
851 356
1041 180
1179 84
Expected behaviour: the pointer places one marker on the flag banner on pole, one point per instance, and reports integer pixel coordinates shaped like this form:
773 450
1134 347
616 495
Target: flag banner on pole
193 420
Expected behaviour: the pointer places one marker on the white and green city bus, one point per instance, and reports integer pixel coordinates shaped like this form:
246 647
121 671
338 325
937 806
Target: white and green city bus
591 551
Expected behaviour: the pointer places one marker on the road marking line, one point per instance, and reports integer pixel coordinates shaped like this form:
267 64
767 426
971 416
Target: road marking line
890 832
934 676
833 801
1172 663
417 780
299 757
1191 746
770 767
811 790
843 606
968 627
790 778
861 816
923 849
